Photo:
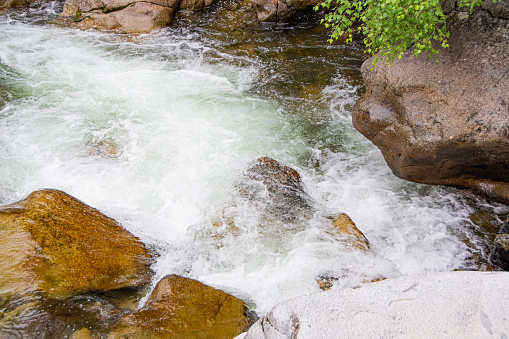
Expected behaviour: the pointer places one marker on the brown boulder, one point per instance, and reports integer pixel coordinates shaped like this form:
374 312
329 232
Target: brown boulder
282 10
445 123
140 17
127 15
71 7
54 244
6 4
185 308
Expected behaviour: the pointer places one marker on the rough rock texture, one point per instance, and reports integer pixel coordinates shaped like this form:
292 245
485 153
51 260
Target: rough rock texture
141 17
6 4
500 253
281 10
42 318
277 184
185 308
343 225
445 123
440 305
127 15
51 243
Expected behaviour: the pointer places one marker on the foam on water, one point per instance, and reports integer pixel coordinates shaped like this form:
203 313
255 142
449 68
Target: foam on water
153 134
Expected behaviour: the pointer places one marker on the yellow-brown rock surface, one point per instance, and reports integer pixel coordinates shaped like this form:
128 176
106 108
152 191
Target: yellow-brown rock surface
185 308
345 226
55 244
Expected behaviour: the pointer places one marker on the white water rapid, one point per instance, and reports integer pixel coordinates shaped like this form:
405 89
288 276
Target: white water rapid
157 130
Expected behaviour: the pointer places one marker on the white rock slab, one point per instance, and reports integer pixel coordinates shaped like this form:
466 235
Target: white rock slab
440 305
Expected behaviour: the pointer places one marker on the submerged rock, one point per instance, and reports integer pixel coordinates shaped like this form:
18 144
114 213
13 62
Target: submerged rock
6 4
37 317
185 308
500 253
52 243
452 304
282 10
445 123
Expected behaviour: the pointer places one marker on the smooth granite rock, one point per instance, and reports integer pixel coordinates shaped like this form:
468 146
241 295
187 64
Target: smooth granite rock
439 305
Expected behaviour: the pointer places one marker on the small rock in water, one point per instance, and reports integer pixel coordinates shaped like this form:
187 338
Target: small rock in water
105 149
345 226
277 186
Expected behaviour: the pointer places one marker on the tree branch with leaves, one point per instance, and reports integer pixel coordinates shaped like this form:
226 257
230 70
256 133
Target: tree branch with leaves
390 27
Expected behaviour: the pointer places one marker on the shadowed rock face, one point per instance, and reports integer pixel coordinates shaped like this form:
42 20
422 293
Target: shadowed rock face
52 243
500 253
445 123
185 308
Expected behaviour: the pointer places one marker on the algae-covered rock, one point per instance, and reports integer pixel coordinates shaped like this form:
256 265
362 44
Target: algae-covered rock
185 308
56 245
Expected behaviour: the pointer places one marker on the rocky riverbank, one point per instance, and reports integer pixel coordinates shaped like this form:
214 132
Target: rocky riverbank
70 271
446 123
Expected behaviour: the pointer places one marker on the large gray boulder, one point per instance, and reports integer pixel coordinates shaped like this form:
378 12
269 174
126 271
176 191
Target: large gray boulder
446 123
440 305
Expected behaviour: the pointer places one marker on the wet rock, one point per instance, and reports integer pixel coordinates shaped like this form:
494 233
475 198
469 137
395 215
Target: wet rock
126 15
277 192
500 253
185 308
6 4
37 317
104 149
459 304
83 333
195 4
282 10
278 186
344 226
139 17
52 243
445 123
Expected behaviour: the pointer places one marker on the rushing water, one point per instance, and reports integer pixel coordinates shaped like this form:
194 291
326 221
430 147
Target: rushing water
157 131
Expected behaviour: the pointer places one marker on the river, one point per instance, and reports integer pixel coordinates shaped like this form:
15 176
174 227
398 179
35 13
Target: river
157 130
